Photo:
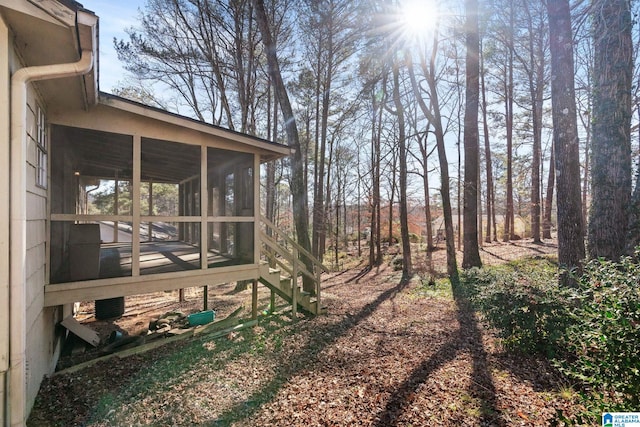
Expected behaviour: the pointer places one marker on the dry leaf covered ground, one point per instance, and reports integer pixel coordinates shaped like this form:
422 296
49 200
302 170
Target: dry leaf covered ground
387 354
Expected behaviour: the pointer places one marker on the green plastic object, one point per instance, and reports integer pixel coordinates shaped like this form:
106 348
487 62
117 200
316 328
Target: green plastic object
201 318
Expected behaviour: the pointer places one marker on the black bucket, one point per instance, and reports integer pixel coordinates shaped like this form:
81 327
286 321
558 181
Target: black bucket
109 308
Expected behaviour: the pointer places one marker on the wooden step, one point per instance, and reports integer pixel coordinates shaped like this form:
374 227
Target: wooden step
304 298
285 281
274 279
274 287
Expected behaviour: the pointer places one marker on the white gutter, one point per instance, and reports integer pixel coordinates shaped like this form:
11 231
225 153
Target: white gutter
18 225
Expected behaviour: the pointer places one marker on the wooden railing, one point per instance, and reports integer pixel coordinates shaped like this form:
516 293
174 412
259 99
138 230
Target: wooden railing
281 250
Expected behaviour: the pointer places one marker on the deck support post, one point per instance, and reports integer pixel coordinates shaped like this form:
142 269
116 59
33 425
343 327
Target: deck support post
254 300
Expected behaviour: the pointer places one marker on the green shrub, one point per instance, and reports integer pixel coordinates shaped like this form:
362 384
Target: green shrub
604 340
592 331
522 302
396 263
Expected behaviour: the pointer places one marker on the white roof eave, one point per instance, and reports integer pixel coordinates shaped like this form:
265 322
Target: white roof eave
274 149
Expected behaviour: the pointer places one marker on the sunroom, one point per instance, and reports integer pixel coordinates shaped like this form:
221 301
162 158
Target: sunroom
142 200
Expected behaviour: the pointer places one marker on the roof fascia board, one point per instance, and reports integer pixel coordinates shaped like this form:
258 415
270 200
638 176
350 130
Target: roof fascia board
57 10
47 10
87 24
177 120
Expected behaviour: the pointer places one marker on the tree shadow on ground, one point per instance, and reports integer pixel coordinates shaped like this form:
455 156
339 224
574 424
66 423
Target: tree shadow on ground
360 275
466 339
304 357
493 254
531 369
536 247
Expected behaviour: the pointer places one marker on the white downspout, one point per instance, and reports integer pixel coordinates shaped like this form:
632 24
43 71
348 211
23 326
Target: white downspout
18 225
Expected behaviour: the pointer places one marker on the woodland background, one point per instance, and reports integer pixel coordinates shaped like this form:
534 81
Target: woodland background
399 108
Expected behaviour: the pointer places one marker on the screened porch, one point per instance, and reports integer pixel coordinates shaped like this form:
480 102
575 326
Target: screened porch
127 209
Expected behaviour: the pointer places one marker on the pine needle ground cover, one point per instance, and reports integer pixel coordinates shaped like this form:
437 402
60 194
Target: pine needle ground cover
387 353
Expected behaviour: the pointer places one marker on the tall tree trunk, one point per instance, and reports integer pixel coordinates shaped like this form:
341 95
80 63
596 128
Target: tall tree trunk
633 238
374 198
337 230
425 182
402 160
427 214
378 205
392 197
611 146
271 166
318 173
326 216
587 168
565 137
324 125
434 116
459 191
479 198
548 201
358 207
452 266
493 211
508 105
471 254
345 236
487 155
535 71
375 254
535 173
491 227
298 190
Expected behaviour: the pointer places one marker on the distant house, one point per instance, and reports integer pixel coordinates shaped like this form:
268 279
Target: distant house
61 141
520 226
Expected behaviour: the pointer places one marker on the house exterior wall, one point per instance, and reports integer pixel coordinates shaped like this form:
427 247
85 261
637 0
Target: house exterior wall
43 346
63 102
42 342
4 215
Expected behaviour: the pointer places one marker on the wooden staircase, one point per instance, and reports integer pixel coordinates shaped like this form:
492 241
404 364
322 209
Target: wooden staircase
282 270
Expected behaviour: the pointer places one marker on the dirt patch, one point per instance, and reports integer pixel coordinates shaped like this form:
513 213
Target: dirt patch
387 353
141 310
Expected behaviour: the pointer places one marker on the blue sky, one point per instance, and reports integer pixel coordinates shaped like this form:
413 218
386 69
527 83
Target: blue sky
115 16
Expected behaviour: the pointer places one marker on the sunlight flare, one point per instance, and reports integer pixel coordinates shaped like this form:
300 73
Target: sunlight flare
419 17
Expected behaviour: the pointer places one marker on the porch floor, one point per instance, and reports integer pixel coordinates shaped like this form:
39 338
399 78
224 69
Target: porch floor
156 257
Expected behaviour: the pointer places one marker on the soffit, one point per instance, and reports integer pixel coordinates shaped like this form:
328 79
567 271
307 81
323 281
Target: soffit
268 150
107 155
42 39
